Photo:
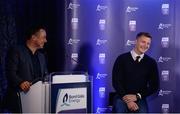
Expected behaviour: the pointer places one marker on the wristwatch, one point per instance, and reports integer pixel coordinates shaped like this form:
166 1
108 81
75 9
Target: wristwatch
138 96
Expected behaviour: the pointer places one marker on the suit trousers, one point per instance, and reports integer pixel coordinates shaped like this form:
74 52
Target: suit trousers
12 101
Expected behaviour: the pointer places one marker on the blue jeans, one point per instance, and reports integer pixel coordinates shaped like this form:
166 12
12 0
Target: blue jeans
119 106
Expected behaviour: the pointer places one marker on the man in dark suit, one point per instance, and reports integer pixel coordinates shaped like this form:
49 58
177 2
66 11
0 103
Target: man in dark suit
135 76
24 64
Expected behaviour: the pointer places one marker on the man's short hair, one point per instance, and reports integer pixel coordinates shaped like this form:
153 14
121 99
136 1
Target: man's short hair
143 34
33 29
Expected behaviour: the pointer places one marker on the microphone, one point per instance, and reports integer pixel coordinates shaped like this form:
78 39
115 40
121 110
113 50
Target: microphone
46 77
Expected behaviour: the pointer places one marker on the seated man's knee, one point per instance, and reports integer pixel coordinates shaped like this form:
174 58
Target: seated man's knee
119 105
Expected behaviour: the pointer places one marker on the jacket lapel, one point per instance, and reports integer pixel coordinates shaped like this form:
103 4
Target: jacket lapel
41 62
29 60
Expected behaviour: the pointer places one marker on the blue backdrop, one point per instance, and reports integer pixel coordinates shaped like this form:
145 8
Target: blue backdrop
97 31
88 35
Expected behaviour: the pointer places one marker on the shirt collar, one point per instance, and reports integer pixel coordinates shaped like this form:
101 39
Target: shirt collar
134 55
30 52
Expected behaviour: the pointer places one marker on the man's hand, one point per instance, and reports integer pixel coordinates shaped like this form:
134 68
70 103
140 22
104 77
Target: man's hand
25 86
129 98
132 106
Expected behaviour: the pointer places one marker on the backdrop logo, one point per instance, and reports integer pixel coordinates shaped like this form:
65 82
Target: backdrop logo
165 108
165 75
102 57
74 22
164 26
73 41
102 92
165 9
101 8
102 24
165 92
132 25
131 9
165 42
74 57
130 42
100 76
100 42
163 59
65 100
73 6
101 110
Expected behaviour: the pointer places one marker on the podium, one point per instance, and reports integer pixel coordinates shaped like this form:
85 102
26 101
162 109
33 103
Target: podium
63 93
35 100
70 93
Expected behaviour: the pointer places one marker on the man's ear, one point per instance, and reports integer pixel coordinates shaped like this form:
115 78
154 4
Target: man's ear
136 41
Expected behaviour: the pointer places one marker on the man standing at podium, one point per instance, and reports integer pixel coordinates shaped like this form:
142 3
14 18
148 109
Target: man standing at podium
25 64
135 76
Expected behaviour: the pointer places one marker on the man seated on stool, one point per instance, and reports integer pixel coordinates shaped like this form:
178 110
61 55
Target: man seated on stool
135 76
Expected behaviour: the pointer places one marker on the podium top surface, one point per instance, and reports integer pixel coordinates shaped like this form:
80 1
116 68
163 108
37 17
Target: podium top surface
72 78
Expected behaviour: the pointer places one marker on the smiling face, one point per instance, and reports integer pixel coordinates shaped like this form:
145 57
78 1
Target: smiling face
142 44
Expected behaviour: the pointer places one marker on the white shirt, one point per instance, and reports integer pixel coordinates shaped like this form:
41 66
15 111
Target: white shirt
134 55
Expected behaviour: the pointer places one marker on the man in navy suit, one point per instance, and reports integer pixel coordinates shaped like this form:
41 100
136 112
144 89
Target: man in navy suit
135 77
24 64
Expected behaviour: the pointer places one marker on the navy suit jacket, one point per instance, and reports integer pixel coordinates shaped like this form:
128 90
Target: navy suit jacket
19 68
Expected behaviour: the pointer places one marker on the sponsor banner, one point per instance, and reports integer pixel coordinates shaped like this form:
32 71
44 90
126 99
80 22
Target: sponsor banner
111 28
71 99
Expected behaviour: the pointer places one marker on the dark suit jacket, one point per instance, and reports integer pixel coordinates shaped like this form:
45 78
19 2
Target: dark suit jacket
19 68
